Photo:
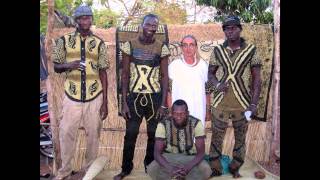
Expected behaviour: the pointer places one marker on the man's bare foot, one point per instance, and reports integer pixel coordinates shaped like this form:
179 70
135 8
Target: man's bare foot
216 168
234 170
236 175
120 176
215 172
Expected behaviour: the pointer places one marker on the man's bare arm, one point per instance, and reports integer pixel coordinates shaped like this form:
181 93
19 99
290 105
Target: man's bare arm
200 146
104 81
125 84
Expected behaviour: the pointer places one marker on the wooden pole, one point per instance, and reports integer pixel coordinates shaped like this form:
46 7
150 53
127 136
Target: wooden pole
275 142
53 115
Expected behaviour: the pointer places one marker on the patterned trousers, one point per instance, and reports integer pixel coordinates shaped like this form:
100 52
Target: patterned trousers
220 119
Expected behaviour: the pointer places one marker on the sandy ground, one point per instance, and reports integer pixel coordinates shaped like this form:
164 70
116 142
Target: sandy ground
247 171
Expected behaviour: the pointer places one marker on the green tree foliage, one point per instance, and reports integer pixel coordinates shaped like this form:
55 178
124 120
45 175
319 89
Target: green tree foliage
43 16
105 18
248 10
170 13
65 7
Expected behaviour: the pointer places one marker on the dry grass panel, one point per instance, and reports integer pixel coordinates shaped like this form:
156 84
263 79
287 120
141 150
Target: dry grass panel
111 141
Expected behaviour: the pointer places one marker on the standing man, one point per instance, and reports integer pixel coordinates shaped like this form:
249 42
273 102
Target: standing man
237 89
144 88
82 56
188 75
179 147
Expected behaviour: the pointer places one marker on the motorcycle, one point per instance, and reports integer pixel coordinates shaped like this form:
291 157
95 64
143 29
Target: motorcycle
46 145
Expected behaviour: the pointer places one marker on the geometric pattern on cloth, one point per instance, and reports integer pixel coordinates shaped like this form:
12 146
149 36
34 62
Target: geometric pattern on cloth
127 33
234 71
259 35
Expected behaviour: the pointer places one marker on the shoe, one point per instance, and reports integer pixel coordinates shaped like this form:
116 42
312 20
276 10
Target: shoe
120 176
145 169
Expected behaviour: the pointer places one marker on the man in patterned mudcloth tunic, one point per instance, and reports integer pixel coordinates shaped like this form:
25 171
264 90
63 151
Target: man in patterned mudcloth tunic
179 147
234 73
144 86
82 56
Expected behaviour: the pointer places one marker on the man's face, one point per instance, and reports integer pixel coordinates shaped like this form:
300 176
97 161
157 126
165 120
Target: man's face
150 26
189 47
232 32
180 114
84 22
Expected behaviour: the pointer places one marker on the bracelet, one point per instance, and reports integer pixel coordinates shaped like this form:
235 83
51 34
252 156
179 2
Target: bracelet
217 85
164 107
253 105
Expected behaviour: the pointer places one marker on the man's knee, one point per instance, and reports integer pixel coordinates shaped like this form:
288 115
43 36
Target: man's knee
151 136
153 167
131 134
67 129
202 172
155 171
205 169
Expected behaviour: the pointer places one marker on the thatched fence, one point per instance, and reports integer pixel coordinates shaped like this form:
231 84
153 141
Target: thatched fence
111 140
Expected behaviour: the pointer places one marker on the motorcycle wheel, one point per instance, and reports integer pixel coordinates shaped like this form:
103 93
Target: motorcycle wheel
47 150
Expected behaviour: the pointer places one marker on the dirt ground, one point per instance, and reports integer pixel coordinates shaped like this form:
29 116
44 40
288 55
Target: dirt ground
273 166
45 167
271 170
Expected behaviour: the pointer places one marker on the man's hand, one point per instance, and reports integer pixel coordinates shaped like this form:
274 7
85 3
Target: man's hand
161 112
103 111
252 108
182 171
74 65
176 171
223 87
186 169
125 111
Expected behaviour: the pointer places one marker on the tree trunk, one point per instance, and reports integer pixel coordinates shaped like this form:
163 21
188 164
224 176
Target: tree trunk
52 113
275 142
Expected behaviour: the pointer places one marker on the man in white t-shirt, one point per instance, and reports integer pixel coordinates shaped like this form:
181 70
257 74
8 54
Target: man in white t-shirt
187 78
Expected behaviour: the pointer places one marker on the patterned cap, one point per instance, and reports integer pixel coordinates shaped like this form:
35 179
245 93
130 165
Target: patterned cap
231 20
82 11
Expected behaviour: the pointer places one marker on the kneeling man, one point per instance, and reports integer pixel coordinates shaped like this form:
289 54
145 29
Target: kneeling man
179 147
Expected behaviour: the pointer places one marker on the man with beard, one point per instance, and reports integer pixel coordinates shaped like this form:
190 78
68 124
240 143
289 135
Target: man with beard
179 147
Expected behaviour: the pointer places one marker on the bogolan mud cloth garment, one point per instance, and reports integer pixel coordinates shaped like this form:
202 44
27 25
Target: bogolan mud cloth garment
180 140
144 96
180 148
234 68
84 85
83 95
